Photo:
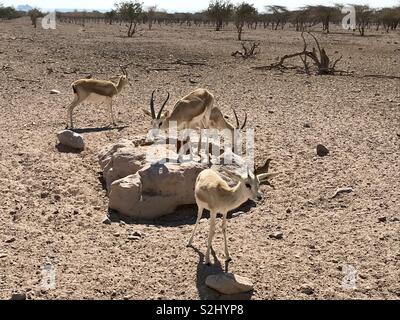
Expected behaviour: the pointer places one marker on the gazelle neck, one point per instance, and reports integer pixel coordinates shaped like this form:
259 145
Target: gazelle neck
239 195
120 85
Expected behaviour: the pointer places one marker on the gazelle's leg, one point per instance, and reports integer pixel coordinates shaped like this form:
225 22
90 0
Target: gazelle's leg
211 234
200 212
111 111
227 257
70 109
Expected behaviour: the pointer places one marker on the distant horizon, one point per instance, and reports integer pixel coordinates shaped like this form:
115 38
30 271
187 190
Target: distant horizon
181 5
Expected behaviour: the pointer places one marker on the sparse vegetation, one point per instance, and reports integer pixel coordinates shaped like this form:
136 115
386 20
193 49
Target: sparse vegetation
220 12
244 13
130 12
8 12
35 14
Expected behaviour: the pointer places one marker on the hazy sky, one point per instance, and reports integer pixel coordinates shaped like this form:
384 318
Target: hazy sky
184 5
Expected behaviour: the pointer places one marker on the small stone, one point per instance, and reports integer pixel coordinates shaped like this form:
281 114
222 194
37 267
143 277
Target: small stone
278 235
71 139
44 195
322 151
76 212
117 234
382 219
53 91
228 283
133 238
137 234
57 197
307 289
306 125
3 255
106 220
10 240
288 210
18 296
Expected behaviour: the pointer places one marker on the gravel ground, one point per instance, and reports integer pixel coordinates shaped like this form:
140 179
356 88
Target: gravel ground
52 203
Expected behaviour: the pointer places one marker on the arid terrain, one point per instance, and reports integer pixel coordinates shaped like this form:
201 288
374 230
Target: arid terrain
52 202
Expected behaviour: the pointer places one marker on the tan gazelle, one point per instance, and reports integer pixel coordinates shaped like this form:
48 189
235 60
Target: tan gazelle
99 90
214 194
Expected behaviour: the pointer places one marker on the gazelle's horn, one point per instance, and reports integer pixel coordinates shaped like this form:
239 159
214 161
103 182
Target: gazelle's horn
163 106
153 113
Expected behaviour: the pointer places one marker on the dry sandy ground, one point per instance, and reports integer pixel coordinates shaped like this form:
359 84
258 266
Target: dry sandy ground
52 203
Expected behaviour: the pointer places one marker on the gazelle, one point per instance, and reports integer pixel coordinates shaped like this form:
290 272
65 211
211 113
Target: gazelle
194 111
214 194
190 112
96 90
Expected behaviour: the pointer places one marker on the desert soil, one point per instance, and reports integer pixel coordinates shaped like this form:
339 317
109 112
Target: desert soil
52 202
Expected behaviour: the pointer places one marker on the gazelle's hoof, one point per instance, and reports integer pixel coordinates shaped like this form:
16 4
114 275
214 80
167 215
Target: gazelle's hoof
228 260
189 245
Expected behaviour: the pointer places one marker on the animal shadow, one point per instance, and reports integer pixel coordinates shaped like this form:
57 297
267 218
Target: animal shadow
203 271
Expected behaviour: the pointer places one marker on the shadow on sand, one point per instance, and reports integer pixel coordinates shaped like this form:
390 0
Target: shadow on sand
203 271
98 129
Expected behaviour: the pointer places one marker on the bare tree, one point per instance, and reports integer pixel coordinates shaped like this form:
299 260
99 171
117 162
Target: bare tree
151 13
363 17
35 14
244 12
130 11
219 11
279 15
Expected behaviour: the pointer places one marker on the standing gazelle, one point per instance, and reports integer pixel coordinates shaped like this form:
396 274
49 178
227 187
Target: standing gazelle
214 194
99 90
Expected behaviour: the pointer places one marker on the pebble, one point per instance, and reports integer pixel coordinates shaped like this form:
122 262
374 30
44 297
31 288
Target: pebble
307 289
278 235
382 219
106 220
53 91
18 296
322 151
10 240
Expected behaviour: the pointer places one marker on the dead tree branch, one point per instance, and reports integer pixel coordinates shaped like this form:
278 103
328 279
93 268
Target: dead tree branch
320 59
248 52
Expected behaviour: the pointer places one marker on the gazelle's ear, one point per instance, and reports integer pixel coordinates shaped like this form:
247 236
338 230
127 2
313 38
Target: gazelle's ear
265 176
147 112
166 114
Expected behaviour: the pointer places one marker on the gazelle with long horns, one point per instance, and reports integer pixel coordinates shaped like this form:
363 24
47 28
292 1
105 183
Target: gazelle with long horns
194 111
214 194
97 90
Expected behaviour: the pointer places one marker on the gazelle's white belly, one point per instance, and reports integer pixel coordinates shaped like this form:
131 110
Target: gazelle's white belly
95 98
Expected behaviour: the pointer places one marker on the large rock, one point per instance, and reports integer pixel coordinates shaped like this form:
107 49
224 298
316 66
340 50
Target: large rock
228 283
147 181
71 139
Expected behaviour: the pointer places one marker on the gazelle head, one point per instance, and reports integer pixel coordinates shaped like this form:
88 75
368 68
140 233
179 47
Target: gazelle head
251 182
159 120
124 78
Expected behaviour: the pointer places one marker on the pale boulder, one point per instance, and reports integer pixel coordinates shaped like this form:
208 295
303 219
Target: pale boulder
229 283
71 139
